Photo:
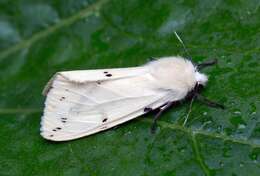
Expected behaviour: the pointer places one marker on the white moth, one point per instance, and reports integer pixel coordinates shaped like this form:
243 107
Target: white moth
81 103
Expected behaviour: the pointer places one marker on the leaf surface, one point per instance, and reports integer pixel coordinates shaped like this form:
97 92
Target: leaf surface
39 38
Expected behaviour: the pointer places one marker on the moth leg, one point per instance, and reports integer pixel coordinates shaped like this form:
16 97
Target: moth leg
207 63
209 102
156 117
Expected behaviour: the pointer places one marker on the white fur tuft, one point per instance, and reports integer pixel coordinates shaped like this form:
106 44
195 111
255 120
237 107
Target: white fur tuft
201 78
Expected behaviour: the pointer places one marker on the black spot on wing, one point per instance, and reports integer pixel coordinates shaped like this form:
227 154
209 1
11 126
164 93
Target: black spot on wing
62 98
107 74
63 119
56 129
104 120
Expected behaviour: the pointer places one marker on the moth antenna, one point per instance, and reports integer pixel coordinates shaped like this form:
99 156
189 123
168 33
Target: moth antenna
183 45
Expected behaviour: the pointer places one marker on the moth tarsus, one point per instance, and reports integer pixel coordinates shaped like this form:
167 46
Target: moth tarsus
208 102
156 117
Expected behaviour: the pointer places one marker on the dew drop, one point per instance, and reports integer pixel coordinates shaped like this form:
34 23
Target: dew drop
97 14
108 38
221 164
182 150
253 113
241 126
237 112
219 128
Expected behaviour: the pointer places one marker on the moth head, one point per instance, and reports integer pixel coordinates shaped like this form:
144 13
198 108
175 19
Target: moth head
201 79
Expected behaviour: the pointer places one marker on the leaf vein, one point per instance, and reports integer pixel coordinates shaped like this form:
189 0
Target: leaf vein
203 132
64 22
196 151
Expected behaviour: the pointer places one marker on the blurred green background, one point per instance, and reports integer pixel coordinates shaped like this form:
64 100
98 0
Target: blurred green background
41 37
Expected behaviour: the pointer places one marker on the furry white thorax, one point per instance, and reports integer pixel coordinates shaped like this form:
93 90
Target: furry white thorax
176 73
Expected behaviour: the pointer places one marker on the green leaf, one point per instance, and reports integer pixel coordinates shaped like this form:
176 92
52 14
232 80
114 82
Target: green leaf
41 37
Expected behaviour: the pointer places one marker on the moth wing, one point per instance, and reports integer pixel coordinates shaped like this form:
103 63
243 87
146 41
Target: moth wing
83 76
73 110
